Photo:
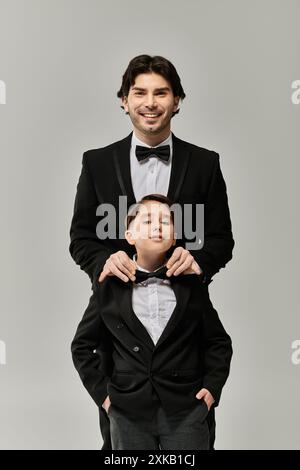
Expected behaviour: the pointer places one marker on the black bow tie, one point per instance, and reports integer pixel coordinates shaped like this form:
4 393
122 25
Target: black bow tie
162 152
142 275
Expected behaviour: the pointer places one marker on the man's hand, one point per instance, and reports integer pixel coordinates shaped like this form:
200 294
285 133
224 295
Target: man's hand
119 264
106 403
207 397
183 262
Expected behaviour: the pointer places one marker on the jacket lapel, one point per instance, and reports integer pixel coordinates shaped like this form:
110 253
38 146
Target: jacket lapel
121 160
180 161
182 291
123 296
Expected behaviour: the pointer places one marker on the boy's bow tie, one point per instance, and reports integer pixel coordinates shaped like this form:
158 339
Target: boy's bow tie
142 275
162 152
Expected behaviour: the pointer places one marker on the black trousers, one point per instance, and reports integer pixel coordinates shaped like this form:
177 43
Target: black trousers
105 428
184 430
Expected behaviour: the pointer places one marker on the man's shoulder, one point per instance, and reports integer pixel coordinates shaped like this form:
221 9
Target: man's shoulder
106 150
197 150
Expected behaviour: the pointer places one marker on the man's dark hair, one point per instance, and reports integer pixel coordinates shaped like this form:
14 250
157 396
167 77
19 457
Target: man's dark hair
146 64
133 212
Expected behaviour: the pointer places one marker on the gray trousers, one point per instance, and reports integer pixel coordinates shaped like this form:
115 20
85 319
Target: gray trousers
185 430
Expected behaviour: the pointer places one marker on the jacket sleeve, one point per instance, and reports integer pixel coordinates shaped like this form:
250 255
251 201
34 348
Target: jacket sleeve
91 338
217 352
87 250
218 238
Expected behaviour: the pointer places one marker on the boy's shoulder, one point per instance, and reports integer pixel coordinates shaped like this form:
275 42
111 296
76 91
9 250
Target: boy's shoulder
191 281
108 286
199 289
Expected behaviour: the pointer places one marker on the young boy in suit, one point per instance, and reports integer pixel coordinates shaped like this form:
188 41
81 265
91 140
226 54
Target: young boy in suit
170 352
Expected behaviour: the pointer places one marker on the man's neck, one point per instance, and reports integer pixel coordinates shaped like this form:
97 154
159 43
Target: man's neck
152 140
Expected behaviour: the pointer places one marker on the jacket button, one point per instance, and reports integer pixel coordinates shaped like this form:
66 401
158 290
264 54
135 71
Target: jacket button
120 325
136 349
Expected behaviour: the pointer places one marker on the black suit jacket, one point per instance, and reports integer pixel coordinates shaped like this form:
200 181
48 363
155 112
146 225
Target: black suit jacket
194 350
195 178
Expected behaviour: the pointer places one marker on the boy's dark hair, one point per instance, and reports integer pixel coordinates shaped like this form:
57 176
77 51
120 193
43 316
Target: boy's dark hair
132 213
145 64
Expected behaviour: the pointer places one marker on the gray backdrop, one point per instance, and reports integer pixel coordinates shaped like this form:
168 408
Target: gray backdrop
62 63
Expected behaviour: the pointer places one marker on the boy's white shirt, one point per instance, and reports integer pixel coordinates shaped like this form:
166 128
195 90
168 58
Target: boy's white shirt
153 301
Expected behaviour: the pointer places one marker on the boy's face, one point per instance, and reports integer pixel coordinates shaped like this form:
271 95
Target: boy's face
152 230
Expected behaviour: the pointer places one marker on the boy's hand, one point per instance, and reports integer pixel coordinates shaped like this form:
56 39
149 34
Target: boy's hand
119 264
182 262
106 403
207 397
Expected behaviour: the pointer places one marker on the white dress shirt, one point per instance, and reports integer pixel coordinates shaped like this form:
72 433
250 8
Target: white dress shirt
153 301
151 175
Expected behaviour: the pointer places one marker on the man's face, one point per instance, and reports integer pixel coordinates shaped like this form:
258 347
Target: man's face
150 103
152 230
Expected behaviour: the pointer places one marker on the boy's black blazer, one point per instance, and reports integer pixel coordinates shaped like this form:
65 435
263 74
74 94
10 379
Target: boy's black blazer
194 350
196 178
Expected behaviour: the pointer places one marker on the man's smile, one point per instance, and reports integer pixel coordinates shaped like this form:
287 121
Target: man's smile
150 115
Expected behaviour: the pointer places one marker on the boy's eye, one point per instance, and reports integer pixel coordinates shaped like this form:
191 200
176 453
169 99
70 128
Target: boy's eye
165 222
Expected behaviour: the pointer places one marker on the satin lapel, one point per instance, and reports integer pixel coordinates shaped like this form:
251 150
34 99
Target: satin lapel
182 291
121 159
180 162
123 295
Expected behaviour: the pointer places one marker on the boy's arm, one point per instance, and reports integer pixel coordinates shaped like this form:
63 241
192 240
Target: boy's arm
87 250
92 334
217 352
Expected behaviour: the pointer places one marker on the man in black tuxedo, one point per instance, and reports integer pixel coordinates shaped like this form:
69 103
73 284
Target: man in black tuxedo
170 351
136 165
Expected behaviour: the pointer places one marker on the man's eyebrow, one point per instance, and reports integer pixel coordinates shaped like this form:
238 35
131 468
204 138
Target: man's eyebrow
166 88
